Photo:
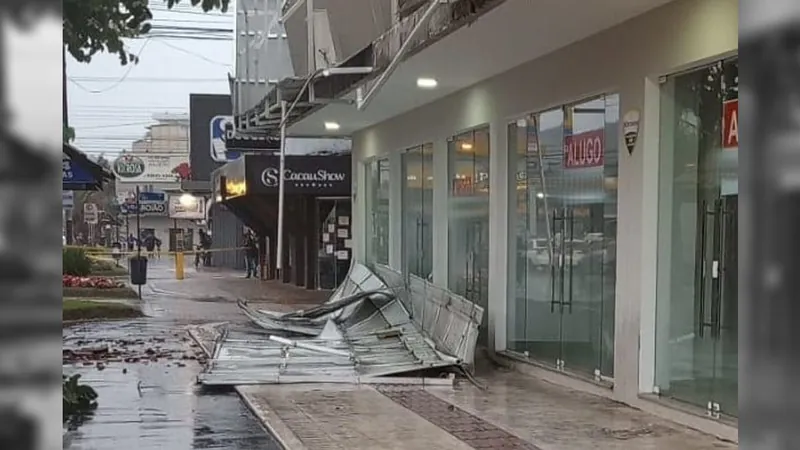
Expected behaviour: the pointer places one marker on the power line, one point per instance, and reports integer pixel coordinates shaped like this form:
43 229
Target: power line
120 80
117 125
125 107
198 55
147 80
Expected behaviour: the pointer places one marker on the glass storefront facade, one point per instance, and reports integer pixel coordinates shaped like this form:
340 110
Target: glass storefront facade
417 211
468 218
563 210
378 185
697 295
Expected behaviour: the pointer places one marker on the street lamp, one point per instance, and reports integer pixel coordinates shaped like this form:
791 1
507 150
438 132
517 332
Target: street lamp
187 200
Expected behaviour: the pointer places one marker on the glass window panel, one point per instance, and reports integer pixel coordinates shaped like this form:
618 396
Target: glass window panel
417 211
696 300
378 211
468 218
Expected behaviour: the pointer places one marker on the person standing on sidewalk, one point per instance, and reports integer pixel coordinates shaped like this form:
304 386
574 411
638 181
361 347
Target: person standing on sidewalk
251 254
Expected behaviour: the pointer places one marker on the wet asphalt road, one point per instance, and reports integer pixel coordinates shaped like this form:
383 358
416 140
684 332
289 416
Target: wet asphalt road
147 392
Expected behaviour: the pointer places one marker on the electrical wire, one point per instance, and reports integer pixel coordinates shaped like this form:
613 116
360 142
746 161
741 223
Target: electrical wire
146 80
117 125
197 55
120 80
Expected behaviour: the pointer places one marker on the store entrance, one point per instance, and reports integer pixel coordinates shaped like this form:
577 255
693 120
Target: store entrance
697 299
335 246
570 239
468 220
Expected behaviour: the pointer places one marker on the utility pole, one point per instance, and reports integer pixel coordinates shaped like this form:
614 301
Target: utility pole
65 109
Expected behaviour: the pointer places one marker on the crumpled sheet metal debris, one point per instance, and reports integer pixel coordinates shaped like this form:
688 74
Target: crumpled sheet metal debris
365 331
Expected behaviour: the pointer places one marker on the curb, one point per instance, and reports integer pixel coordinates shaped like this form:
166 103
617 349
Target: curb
275 427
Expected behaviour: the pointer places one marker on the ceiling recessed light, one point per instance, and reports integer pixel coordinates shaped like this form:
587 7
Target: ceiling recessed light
426 83
331 126
466 146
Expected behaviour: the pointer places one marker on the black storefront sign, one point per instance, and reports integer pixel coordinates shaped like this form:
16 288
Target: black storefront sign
308 175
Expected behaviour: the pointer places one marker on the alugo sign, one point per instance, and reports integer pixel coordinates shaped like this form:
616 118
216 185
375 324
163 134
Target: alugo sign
584 150
321 178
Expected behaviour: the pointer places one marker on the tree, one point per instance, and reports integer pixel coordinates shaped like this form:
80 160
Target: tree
96 26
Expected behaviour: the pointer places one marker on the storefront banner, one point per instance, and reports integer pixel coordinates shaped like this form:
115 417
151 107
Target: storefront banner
152 197
151 168
317 175
72 173
730 124
148 209
194 210
584 150
221 133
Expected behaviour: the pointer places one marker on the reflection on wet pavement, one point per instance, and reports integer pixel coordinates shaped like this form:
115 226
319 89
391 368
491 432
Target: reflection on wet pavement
153 402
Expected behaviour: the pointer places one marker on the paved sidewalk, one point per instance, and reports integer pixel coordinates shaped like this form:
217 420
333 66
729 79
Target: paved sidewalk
209 295
516 411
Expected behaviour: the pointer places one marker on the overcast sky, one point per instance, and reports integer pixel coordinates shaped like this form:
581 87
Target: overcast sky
32 56
110 105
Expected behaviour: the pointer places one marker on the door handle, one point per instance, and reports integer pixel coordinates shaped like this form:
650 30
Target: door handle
554 261
700 263
571 219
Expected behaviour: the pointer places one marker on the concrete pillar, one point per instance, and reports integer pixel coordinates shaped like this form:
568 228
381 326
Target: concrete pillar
496 316
441 197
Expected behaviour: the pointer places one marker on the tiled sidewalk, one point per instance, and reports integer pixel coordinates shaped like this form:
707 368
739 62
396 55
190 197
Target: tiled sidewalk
517 412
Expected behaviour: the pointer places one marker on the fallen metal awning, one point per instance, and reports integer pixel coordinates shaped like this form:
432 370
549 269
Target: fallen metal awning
363 334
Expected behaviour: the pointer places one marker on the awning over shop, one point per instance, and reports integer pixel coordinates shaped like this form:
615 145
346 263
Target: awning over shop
79 173
249 185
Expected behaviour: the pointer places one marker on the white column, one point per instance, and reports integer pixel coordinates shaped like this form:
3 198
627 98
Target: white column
653 312
396 183
630 240
441 196
498 236
358 221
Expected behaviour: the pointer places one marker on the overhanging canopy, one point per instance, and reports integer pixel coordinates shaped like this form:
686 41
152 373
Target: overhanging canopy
79 173
248 186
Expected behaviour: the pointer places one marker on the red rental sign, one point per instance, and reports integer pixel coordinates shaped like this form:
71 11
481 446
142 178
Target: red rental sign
584 150
730 124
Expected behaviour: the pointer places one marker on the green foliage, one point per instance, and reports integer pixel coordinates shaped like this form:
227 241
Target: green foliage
69 134
95 26
79 400
76 262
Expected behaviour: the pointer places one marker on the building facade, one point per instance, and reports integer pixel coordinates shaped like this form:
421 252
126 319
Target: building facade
157 164
579 180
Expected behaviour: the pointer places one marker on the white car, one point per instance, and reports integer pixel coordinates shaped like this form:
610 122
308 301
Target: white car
540 257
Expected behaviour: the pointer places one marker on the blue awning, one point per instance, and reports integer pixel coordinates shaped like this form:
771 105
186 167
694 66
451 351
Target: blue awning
79 173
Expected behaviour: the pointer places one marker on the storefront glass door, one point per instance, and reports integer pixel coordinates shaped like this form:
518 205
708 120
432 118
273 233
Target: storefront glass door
333 257
468 217
417 211
563 310
697 297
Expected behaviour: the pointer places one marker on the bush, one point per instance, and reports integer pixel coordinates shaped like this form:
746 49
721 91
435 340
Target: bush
76 262
102 265
79 401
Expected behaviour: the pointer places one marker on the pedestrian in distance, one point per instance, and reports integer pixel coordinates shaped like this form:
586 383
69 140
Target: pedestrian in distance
150 245
251 254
